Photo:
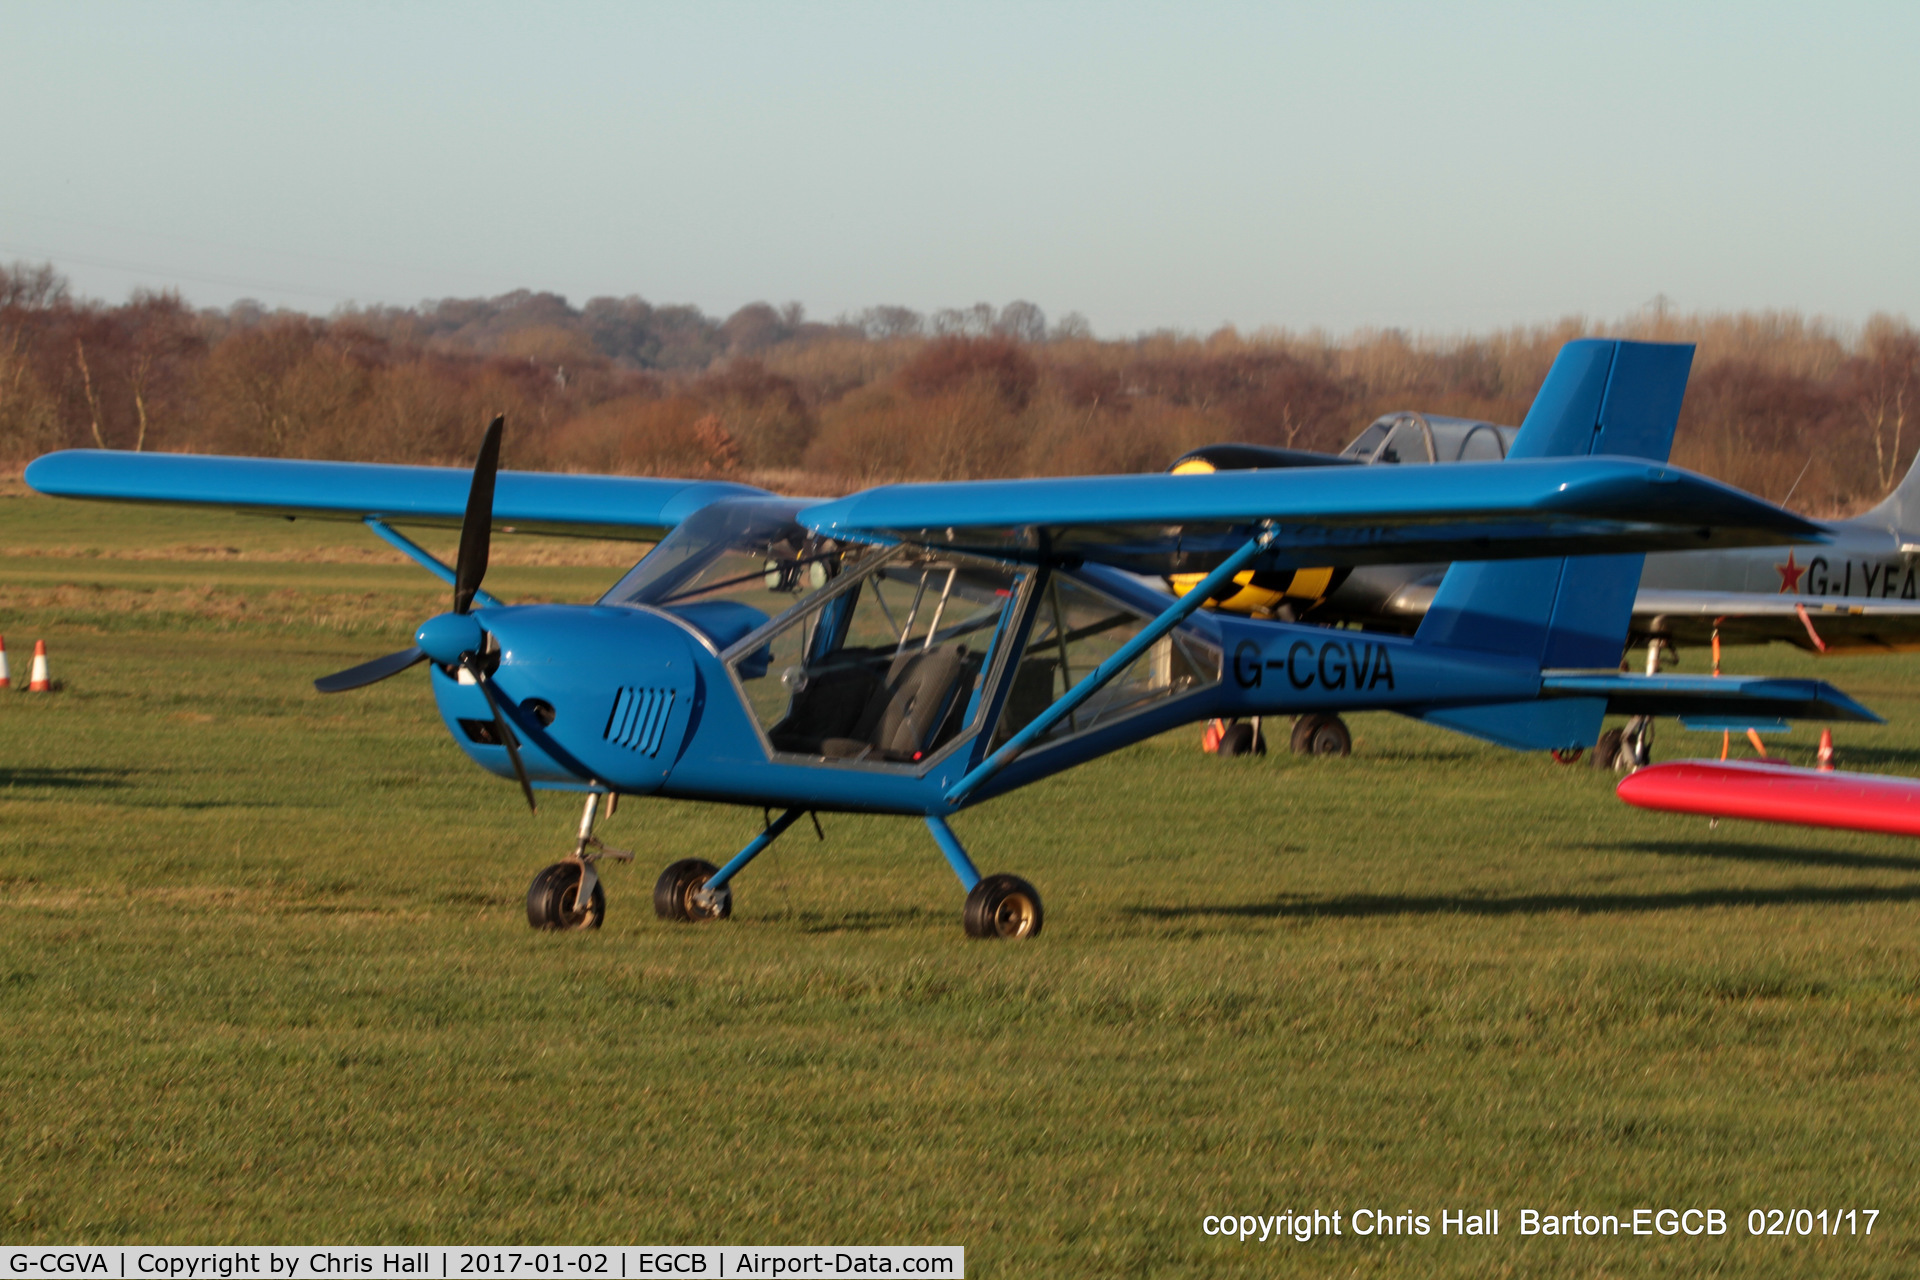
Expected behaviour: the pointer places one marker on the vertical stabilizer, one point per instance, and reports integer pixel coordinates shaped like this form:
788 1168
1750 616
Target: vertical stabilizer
1601 396
1899 512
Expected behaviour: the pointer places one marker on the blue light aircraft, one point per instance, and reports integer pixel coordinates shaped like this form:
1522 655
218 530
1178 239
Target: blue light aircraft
916 649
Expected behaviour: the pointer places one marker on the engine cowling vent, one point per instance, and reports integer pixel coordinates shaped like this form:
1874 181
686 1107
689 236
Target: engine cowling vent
638 721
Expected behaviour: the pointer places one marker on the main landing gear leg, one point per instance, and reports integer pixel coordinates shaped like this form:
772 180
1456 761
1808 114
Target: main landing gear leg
692 890
1636 741
998 906
567 895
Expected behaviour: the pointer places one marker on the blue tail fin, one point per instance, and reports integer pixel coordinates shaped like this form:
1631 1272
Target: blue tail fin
1601 396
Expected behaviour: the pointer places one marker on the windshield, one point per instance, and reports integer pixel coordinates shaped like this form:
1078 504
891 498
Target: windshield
730 549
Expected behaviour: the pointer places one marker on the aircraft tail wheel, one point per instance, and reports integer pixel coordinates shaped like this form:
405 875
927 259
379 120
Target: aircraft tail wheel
1240 740
1003 906
553 900
1321 735
673 892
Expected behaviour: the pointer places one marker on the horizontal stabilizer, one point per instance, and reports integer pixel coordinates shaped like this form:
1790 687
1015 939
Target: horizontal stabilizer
1747 699
632 507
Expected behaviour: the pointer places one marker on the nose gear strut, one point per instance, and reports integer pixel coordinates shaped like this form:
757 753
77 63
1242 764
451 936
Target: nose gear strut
568 894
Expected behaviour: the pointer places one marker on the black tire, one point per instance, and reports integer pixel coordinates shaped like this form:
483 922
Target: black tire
1606 750
673 892
1239 740
1003 906
1329 737
553 900
1301 741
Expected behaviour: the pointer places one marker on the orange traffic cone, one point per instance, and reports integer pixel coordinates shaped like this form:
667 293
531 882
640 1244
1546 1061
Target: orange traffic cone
6 676
39 683
1826 750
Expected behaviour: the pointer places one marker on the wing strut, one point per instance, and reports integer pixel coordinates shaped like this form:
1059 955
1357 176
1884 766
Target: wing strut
424 558
1175 614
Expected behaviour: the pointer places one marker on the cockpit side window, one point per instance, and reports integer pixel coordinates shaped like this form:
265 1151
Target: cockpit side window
889 670
1075 629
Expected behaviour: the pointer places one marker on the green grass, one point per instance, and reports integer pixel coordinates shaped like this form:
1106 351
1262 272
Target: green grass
265 975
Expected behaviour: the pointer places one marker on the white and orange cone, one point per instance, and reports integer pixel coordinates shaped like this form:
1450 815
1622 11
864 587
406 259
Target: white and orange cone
1826 750
6 676
39 683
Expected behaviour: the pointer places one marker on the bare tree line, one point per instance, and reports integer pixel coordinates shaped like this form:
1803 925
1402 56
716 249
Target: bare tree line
1779 404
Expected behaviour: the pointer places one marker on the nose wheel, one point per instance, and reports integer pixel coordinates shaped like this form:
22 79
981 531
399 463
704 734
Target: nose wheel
553 900
568 895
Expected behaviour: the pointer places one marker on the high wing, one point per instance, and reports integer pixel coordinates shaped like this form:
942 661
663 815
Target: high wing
1822 624
621 507
1165 524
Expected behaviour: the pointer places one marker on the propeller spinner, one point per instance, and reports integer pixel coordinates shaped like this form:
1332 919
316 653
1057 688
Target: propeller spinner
455 639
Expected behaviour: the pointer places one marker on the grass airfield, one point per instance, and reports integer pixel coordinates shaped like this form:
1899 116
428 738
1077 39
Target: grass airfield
265 974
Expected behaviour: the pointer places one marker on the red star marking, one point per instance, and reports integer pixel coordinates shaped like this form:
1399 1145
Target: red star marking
1789 575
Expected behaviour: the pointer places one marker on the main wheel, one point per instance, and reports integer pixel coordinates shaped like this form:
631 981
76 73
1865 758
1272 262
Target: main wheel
553 900
1003 906
1240 740
1324 735
1606 749
673 892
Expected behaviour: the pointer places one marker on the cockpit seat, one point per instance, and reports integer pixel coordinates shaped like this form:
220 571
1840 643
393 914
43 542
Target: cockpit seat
829 706
894 718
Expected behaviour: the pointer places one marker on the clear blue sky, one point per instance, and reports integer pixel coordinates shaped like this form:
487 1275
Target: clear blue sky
1437 167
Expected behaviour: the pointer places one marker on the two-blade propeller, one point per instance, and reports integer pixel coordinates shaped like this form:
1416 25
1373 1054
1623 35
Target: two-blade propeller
476 538
371 672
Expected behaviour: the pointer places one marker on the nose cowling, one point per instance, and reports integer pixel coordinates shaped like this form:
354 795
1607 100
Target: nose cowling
594 695
446 638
